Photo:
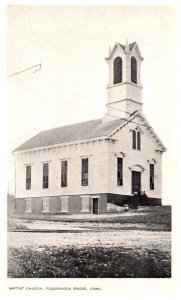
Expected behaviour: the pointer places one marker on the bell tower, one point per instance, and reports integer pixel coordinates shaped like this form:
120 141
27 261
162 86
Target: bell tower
124 87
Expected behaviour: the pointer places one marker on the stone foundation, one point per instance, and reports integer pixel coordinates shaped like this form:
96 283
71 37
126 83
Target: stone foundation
72 204
76 204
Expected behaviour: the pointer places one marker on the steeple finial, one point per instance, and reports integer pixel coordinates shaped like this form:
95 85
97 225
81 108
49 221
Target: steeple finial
109 50
127 46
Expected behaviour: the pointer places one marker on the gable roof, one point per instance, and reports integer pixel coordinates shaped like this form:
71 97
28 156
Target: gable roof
144 122
71 133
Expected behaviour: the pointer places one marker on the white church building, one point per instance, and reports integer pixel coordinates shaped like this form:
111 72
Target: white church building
80 168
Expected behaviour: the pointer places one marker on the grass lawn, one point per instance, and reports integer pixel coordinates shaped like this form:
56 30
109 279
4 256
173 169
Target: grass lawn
85 262
158 217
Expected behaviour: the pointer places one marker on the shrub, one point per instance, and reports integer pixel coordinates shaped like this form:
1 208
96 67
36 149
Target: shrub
88 262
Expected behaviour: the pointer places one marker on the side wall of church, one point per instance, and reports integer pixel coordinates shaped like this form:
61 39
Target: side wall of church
97 155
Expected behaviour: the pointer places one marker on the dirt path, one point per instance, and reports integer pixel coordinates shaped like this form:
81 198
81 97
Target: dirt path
85 226
126 238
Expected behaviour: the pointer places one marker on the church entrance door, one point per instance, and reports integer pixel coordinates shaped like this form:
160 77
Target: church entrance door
136 181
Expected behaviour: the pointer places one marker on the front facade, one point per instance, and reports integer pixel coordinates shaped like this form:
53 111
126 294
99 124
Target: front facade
80 168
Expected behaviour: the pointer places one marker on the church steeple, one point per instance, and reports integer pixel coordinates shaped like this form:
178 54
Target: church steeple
124 87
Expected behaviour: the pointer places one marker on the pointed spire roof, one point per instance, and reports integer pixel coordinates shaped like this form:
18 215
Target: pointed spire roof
125 48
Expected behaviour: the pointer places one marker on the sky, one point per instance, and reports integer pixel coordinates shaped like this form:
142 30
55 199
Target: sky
71 43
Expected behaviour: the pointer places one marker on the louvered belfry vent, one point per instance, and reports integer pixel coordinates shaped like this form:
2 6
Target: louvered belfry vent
117 70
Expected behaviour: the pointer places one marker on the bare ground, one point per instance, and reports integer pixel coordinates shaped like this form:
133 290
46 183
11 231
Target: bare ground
136 238
145 227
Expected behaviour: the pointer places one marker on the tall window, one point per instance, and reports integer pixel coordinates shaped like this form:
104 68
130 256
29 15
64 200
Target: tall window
84 179
45 175
152 177
28 177
136 139
63 173
117 70
119 171
133 69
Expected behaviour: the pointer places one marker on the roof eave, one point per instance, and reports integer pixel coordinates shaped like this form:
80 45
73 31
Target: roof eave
138 50
112 51
103 137
161 150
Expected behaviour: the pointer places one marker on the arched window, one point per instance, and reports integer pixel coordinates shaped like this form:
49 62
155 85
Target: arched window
133 69
136 139
117 70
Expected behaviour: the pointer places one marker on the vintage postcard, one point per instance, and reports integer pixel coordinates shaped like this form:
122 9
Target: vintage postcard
91 153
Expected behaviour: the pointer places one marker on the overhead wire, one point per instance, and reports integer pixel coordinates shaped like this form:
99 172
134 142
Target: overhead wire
39 90
25 70
123 111
128 120
118 109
